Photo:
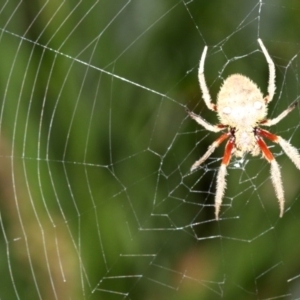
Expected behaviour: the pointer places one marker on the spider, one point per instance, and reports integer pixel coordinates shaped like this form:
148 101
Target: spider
241 109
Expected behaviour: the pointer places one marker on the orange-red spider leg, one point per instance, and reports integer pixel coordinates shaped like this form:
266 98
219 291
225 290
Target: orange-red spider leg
264 148
221 183
210 150
275 171
272 137
289 150
222 138
227 153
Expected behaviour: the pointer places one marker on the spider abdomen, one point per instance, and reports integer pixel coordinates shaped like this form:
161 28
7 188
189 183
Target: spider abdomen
240 102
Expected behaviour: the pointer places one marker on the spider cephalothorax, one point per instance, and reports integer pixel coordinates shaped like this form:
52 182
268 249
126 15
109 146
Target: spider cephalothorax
241 109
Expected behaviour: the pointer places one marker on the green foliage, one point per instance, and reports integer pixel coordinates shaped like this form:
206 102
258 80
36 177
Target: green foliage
96 148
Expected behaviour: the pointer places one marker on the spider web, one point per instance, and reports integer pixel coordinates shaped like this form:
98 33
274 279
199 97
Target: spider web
97 197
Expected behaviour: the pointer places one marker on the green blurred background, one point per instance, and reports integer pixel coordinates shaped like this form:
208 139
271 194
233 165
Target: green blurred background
96 197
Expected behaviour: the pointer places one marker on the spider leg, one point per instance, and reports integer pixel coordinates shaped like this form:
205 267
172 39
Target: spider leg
271 122
289 150
275 172
210 150
271 86
203 86
204 123
221 183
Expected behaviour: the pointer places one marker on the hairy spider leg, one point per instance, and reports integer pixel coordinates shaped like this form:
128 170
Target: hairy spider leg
264 133
275 171
210 150
271 85
205 92
271 122
289 150
204 123
221 182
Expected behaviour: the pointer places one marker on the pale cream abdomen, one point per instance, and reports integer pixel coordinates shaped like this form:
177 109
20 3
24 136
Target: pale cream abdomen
240 102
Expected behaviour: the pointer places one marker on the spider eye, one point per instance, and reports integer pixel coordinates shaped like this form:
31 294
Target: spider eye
257 105
227 110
